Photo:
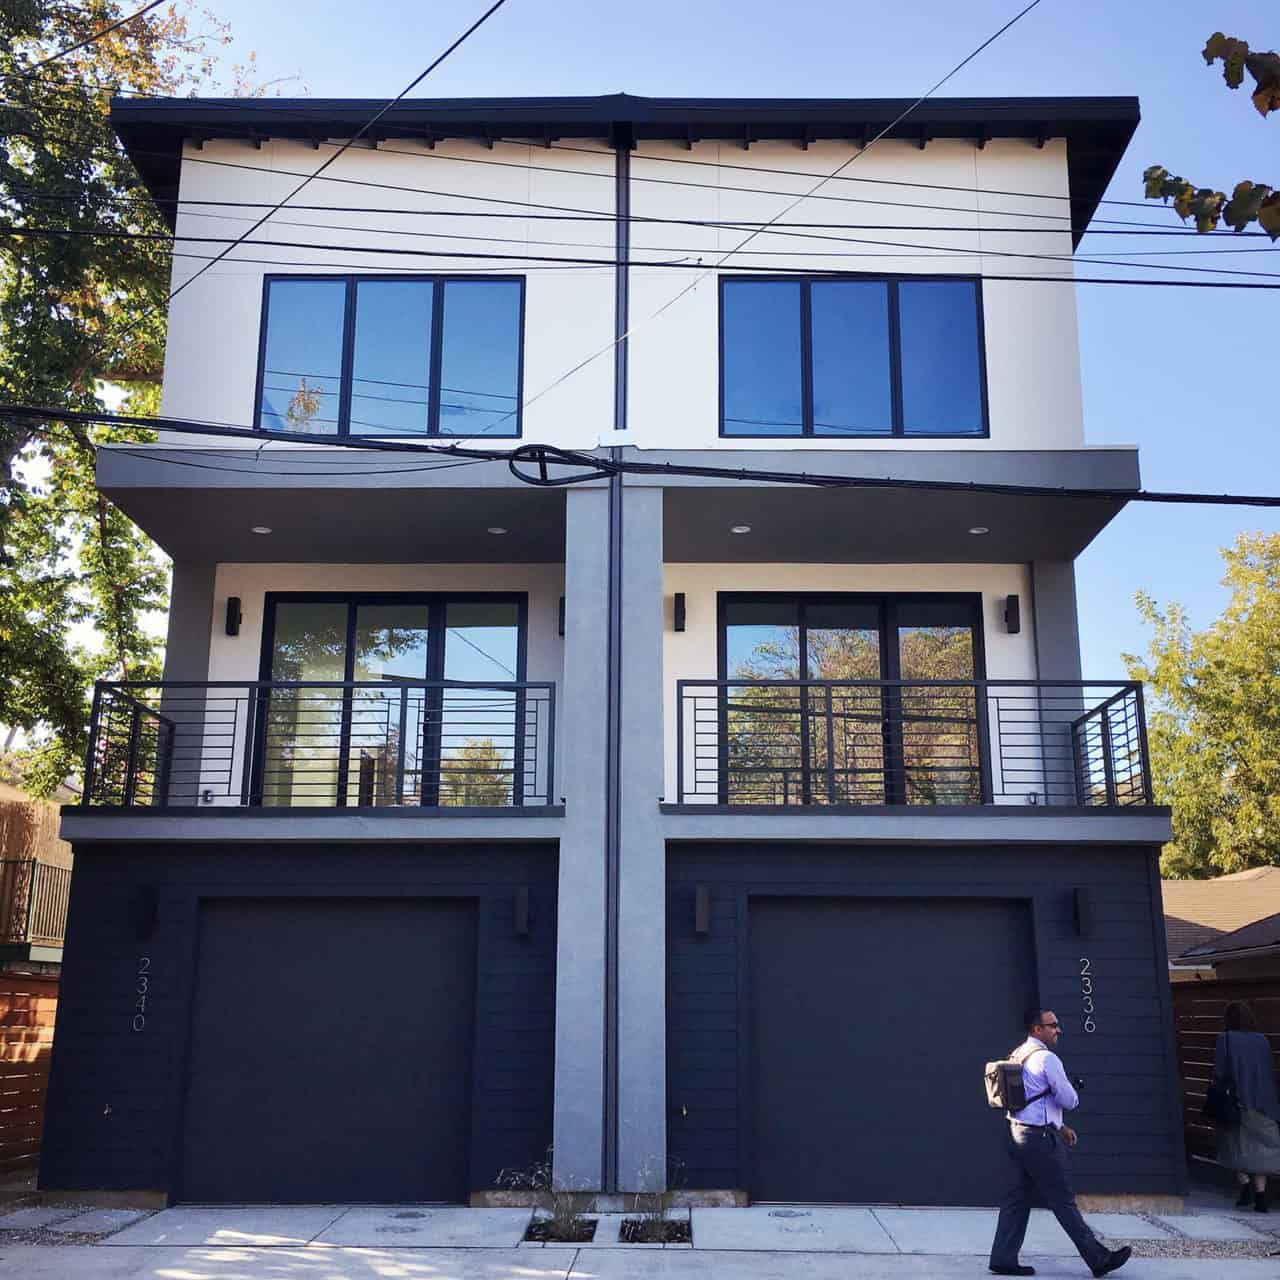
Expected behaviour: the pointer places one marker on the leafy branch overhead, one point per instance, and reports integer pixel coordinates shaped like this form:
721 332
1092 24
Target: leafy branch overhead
1249 201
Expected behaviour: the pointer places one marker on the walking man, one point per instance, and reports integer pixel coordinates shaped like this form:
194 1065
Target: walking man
1038 1142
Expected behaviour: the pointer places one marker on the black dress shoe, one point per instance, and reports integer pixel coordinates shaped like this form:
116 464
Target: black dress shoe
1114 1261
1245 1198
1015 1270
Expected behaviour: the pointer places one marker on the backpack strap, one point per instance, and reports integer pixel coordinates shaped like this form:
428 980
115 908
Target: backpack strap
1020 1058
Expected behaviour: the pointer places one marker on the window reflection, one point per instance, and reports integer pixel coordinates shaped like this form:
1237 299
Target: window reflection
391 357
302 359
427 356
480 369
941 392
762 393
852 393
851 357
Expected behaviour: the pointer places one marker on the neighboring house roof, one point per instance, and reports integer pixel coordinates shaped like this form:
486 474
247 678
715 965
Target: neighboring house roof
1262 937
1097 130
1200 912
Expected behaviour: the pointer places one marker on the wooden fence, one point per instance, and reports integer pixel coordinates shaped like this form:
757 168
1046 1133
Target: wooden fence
1197 1011
27 1009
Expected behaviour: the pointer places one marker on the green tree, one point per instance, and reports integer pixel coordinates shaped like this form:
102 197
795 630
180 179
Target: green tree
78 314
477 773
1214 719
1249 201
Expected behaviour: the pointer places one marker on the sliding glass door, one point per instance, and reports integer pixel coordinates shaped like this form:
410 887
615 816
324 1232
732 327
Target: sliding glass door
822 740
407 715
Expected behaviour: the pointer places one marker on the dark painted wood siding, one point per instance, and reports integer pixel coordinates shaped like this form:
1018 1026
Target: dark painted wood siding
1130 1115
115 1093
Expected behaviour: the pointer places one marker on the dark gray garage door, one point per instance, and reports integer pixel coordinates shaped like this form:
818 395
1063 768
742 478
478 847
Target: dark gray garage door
331 1051
870 1022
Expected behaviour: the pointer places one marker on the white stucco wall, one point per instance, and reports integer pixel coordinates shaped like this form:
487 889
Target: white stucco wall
692 654
1031 346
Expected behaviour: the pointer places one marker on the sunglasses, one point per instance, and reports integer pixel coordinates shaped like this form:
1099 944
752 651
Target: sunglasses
1050 1026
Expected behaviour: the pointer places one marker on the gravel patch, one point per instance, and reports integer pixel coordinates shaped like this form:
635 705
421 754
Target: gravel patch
47 1235
1178 1244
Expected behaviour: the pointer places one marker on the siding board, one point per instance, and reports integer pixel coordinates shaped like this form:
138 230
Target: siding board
115 1094
1130 1123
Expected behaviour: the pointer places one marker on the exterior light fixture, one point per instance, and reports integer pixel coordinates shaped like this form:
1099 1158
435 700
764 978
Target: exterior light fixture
497 529
739 528
979 529
261 528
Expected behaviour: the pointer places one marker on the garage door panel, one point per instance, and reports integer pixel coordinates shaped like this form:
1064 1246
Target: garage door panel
870 1022
331 1051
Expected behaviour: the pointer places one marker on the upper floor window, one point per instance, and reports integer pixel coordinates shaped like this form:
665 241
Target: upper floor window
390 356
859 356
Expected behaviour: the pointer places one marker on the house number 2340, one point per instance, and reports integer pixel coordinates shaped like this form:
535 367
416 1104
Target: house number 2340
1086 994
141 987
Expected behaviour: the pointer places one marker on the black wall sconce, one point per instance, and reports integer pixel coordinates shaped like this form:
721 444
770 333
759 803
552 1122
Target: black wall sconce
1012 615
521 912
1082 909
560 624
702 911
144 912
678 611
233 615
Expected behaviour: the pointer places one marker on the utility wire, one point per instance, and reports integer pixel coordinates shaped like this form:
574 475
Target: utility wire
196 207
666 306
593 468
425 155
347 144
659 264
933 251
71 48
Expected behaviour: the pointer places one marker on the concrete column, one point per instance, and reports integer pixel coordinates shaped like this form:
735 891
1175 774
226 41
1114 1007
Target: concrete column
1053 589
580 986
642 1062
186 652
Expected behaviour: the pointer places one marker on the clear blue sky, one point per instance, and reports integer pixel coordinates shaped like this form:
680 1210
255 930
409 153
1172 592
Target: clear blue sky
1188 375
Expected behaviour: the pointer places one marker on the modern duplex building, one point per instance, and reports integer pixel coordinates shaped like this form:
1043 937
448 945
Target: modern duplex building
688 816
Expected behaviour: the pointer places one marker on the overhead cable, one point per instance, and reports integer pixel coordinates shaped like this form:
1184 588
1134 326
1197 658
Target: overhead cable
71 48
592 467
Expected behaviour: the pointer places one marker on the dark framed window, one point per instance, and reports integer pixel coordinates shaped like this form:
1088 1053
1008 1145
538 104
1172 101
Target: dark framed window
852 356
369 732
805 720
391 355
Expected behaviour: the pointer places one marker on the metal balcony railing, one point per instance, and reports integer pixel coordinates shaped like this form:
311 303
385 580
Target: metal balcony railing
290 744
911 742
33 902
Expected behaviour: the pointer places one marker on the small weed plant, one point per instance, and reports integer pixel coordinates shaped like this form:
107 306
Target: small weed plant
559 1216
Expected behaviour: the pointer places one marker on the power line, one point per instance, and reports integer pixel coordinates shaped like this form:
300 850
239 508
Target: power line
347 144
663 264
933 252
729 224
431 155
591 467
71 48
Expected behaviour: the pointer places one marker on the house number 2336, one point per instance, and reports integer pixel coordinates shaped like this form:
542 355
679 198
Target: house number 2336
1086 994
141 989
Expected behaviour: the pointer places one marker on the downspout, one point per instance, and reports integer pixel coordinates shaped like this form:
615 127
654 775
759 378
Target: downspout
622 142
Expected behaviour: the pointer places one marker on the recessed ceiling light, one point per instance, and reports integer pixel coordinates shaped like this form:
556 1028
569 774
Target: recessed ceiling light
496 528
739 528
260 528
979 529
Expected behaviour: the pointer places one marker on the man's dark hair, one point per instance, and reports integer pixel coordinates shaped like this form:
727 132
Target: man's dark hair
1239 1017
1032 1017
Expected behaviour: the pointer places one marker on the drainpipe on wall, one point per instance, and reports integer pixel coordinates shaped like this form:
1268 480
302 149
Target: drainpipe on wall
622 143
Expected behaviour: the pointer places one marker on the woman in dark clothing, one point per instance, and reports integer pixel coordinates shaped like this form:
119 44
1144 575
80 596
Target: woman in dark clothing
1242 1058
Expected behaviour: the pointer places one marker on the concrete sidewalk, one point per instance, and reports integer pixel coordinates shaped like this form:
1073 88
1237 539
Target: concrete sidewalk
92 1262
802 1242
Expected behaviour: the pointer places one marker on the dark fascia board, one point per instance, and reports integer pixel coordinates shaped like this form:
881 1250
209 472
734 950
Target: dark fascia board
1097 130
1259 937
